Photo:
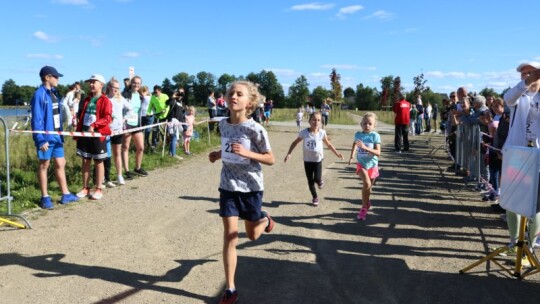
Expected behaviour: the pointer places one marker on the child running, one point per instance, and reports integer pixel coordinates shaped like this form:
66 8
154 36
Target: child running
299 117
313 138
244 146
367 145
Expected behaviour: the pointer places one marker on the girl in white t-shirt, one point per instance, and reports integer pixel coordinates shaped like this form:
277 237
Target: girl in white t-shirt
313 138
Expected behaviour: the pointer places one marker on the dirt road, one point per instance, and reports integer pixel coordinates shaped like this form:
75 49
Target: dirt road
158 239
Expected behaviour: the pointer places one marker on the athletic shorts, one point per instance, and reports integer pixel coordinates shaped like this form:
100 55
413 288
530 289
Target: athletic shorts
56 150
92 148
128 127
267 114
246 205
117 139
373 172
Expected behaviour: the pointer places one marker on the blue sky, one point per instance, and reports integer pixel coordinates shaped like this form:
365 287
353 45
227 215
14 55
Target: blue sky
476 44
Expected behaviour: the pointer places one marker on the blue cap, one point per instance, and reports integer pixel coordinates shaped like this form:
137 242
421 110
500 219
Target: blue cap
49 70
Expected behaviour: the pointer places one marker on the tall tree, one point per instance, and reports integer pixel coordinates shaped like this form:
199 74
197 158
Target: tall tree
298 92
336 85
270 87
420 85
488 91
366 98
224 81
167 87
204 83
318 95
387 88
10 92
348 92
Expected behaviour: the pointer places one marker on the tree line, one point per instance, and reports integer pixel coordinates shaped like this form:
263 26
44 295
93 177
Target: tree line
199 85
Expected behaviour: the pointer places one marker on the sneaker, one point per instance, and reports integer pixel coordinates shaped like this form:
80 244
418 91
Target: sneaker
46 203
97 195
229 297
109 184
120 180
129 175
178 157
321 184
270 225
68 198
141 172
493 197
362 214
83 193
187 153
315 201
510 251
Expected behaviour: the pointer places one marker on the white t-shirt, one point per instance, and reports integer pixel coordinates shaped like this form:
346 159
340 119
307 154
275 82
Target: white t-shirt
238 173
313 145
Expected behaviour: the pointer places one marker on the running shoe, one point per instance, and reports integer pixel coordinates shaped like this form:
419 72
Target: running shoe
512 250
129 175
229 297
46 203
97 195
109 184
362 214
120 180
270 224
68 198
141 172
321 184
315 201
83 193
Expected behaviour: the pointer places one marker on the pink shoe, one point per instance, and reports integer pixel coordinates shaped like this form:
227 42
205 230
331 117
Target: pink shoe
362 214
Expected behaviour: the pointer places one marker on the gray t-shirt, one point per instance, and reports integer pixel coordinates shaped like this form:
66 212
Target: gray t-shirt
238 173
313 145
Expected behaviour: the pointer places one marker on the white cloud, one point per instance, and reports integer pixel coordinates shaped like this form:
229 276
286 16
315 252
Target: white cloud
72 2
131 55
44 37
460 75
381 15
45 56
348 10
314 6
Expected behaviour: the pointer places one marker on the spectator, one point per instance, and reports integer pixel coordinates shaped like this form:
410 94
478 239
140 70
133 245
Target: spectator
402 117
147 116
523 100
268 105
159 107
46 116
325 111
434 114
212 107
133 121
95 115
174 118
413 114
419 120
119 107
427 117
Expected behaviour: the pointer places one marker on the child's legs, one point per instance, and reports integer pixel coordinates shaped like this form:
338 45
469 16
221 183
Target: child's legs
100 171
117 155
60 173
42 176
187 141
172 145
230 240
107 167
366 186
138 139
309 167
125 151
86 172
318 172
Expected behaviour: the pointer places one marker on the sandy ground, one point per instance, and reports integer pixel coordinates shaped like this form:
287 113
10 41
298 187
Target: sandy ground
158 239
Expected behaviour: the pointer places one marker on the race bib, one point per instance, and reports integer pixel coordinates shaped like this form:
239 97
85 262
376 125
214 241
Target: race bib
226 150
362 153
56 119
310 145
89 119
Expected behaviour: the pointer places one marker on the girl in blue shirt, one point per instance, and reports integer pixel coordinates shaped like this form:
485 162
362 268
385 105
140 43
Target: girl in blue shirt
367 146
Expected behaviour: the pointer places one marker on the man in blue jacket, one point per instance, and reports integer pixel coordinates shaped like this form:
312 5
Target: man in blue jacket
47 116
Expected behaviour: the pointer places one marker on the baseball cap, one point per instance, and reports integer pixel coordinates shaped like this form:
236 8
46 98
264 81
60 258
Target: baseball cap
533 64
97 77
49 70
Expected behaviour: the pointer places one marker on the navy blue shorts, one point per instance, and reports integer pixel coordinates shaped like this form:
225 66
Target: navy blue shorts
247 206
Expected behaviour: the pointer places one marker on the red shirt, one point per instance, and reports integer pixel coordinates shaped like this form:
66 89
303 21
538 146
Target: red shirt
402 109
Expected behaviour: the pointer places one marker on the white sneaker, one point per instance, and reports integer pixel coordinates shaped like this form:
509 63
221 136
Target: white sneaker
97 195
120 180
110 184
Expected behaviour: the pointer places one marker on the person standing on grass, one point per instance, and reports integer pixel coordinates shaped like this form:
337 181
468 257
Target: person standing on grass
402 110
367 147
244 146
313 138
46 116
95 115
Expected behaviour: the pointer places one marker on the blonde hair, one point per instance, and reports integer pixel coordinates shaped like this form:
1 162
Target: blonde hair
110 87
369 115
253 94
144 90
191 110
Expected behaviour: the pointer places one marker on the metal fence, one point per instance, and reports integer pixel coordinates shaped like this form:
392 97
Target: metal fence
468 150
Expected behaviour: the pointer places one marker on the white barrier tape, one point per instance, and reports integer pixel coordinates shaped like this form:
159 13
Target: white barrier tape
65 133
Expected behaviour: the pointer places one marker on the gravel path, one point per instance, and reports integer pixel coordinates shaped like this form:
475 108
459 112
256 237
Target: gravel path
158 239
